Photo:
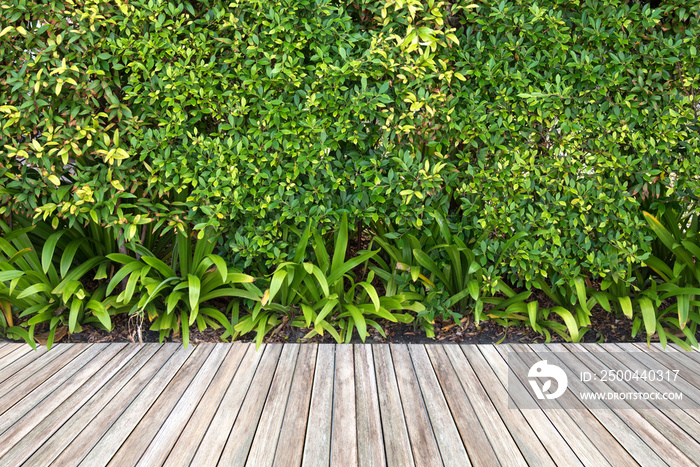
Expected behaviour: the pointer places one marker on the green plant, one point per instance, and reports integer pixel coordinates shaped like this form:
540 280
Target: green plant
456 279
680 273
326 294
41 292
173 297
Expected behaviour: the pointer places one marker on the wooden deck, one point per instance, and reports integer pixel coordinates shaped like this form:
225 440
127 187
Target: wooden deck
315 405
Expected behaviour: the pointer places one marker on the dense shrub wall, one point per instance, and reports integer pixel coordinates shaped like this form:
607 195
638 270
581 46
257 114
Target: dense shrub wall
556 118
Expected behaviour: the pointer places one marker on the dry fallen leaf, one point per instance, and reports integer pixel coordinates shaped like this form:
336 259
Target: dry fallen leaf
43 338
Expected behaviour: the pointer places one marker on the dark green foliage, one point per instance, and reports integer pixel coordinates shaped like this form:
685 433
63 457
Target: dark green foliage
529 136
252 116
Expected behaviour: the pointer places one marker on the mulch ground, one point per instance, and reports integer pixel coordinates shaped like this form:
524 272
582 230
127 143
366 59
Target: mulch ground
607 329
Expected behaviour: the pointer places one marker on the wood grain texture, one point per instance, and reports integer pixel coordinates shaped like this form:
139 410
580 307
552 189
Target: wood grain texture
420 431
576 436
317 443
158 450
63 428
238 445
375 405
668 425
470 429
145 418
623 424
11 352
107 402
687 381
186 446
217 434
262 451
19 357
370 445
35 372
448 439
104 435
344 427
397 443
43 401
501 439
543 429
290 445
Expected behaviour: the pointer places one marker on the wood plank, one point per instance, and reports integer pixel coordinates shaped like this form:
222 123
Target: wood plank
63 376
370 446
448 438
344 426
127 440
317 444
556 445
290 446
43 372
577 439
472 433
158 450
20 358
654 448
689 360
688 375
217 434
396 440
420 431
238 445
30 364
10 352
673 424
615 423
683 414
186 446
131 402
30 411
58 429
262 451
588 438
596 430
500 439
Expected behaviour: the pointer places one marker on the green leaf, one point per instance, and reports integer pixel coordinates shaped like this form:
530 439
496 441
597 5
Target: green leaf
626 305
194 290
308 314
68 255
327 307
220 266
338 272
184 322
683 310
10 275
99 311
158 265
532 315
581 293
277 281
425 261
122 273
321 278
648 314
341 245
473 287
23 334
372 293
570 322
48 249
73 316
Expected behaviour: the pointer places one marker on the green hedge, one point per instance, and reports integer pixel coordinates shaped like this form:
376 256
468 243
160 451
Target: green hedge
558 118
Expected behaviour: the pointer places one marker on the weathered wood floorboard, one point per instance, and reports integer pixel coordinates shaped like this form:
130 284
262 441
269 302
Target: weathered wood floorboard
341 405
